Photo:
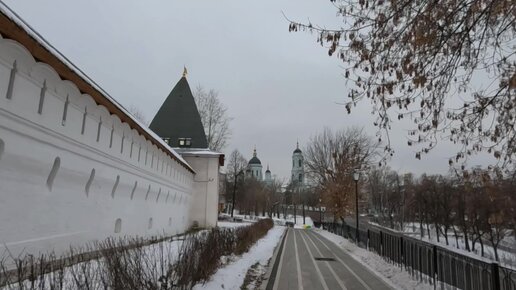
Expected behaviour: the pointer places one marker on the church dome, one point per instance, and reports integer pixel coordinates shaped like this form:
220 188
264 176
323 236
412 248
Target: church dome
297 149
255 160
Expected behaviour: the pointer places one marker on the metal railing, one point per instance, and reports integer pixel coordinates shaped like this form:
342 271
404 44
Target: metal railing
430 263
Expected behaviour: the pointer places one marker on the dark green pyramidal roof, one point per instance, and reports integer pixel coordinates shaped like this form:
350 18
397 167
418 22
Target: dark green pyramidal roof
178 117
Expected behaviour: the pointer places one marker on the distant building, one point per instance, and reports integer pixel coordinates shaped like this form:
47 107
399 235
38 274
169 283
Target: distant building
298 171
268 176
254 168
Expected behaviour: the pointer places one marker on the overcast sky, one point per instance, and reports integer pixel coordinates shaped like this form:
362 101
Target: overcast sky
278 86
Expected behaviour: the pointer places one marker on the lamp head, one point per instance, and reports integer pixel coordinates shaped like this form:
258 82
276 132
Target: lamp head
356 174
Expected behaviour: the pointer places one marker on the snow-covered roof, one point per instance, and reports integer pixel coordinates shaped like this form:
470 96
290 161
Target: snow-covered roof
201 152
14 27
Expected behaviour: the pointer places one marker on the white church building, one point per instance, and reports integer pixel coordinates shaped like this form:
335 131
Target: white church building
76 167
254 170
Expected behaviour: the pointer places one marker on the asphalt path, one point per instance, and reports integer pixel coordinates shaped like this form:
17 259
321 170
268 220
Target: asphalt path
301 266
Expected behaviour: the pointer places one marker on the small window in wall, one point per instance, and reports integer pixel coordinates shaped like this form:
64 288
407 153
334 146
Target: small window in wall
150 224
53 173
111 137
42 97
83 128
90 181
299 162
98 130
10 86
2 148
118 226
134 189
148 191
167 140
185 142
122 145
65 111
300 177
159 193
115 186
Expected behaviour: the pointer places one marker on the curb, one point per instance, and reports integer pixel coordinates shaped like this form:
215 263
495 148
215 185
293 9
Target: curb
270 276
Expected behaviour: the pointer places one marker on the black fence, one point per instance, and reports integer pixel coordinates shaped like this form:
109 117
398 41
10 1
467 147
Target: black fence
430 263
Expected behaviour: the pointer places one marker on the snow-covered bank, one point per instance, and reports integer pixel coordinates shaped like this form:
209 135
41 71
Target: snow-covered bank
507 258
393 275
232 275
232 224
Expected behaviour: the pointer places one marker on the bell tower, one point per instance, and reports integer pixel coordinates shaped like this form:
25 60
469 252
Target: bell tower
298 171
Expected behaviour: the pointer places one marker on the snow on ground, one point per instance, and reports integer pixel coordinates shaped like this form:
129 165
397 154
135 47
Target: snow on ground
232 275
298 221
223 224
391 274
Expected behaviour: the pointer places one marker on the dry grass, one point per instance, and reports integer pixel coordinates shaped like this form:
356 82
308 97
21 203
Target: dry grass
159 263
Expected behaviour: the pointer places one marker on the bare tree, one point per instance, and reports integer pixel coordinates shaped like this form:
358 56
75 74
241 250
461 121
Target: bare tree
235 173
138 114
214 118
449 66
273 197
330 159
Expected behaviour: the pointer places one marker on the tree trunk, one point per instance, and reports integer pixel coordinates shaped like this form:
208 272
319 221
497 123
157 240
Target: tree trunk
421 230
456 237
495 249
466 241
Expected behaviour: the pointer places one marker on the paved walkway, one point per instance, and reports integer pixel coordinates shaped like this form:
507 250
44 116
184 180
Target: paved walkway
301 268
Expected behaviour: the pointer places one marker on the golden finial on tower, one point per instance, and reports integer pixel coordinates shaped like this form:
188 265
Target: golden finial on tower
254 152
185 72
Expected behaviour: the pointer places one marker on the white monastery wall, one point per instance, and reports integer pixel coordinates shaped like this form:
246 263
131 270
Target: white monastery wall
71 173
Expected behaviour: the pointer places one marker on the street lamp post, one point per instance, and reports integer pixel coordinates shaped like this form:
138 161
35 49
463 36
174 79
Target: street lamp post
320 211
303 205
356 176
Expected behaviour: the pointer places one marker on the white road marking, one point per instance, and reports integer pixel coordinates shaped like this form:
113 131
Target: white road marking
298 265
341 283
315 264
345 265
278 273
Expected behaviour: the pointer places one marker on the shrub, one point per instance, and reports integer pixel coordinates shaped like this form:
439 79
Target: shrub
200 254
133 263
